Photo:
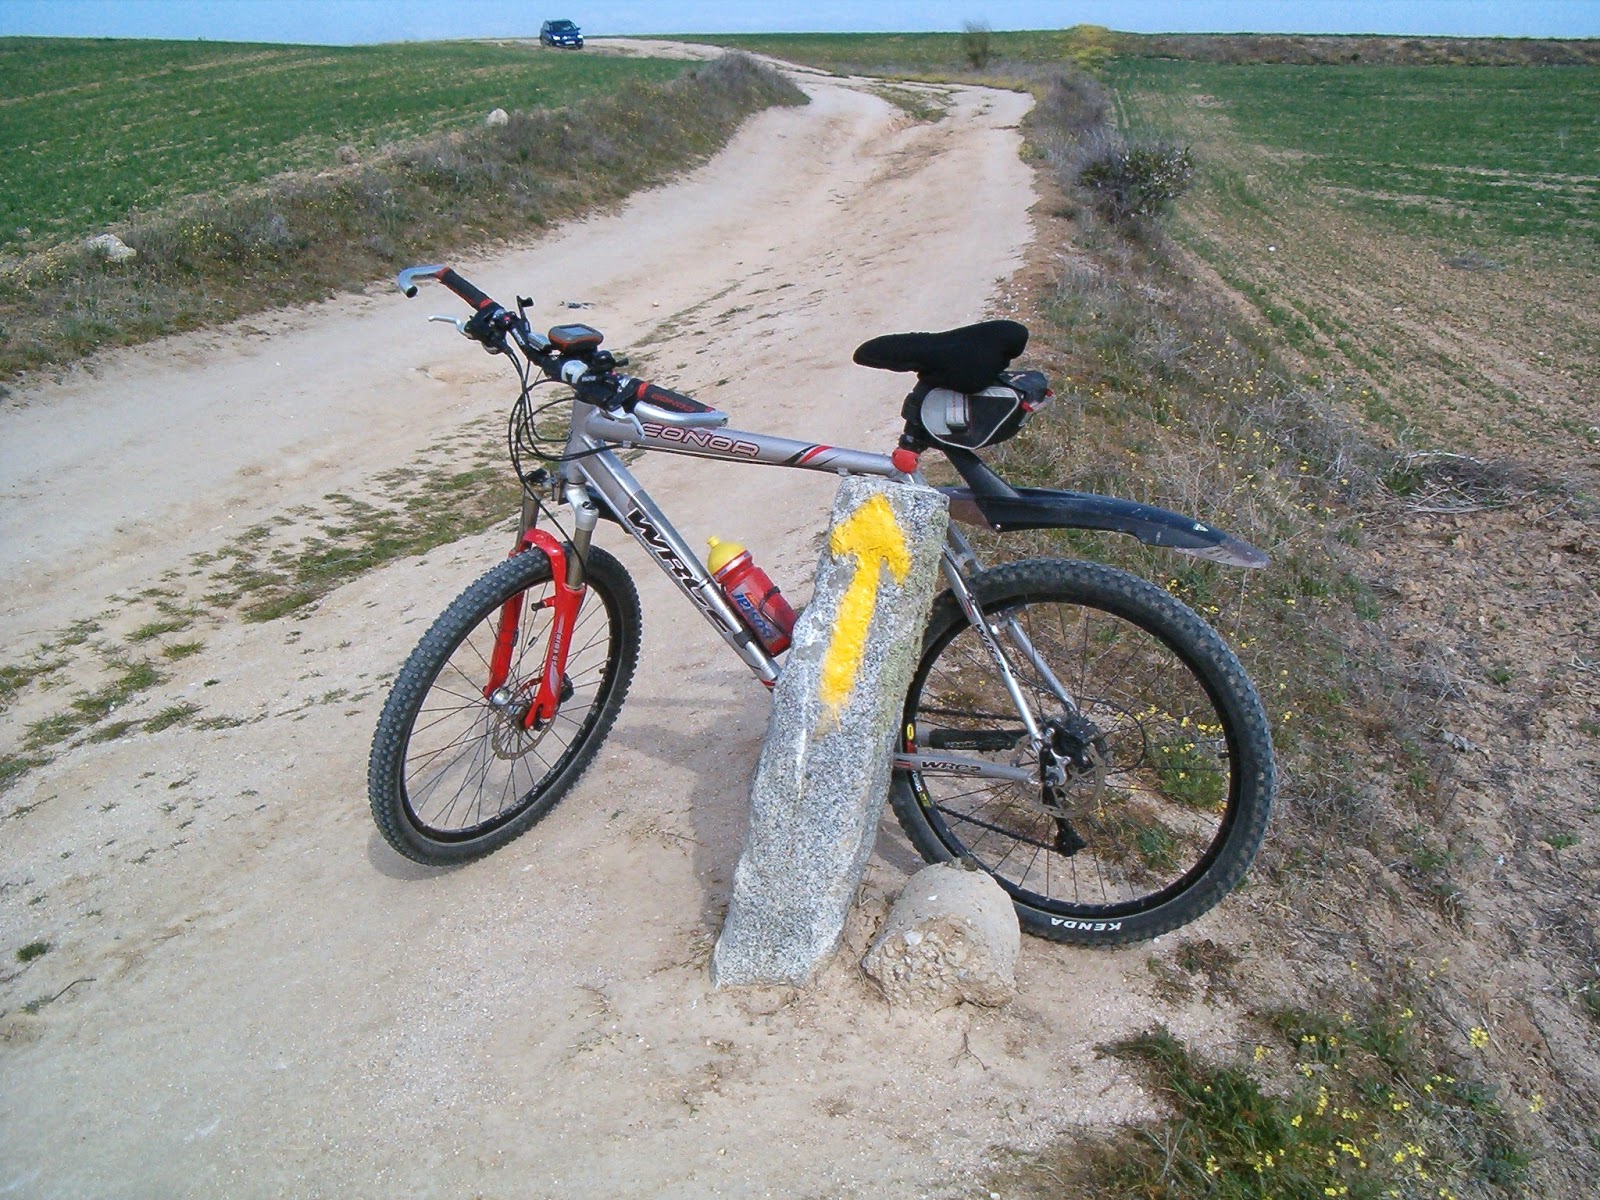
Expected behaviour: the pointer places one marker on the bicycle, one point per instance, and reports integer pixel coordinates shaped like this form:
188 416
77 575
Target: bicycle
1078 733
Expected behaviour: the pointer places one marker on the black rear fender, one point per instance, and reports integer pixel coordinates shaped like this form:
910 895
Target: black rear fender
1044 508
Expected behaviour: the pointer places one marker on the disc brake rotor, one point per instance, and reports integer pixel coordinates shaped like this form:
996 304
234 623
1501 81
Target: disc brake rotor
509 735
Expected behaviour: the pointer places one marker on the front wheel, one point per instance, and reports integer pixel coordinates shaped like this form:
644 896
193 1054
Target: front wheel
1158 776
455 772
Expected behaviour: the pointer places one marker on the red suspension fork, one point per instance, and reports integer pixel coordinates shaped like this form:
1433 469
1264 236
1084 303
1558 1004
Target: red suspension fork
564 601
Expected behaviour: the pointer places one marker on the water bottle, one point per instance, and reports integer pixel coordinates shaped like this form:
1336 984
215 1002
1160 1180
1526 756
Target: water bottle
752 593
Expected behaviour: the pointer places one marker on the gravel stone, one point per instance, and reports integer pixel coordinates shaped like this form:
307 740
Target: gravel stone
952 937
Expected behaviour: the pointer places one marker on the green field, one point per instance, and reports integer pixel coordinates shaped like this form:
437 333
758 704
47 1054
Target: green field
90 130
1424 237
1486 151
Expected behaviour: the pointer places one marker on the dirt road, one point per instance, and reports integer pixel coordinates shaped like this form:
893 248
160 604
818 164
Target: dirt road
247 994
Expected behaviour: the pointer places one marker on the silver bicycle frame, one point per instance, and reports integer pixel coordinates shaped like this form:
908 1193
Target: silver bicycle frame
593 471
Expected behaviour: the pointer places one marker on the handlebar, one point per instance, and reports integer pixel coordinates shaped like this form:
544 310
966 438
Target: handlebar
491 323
408 279
590 373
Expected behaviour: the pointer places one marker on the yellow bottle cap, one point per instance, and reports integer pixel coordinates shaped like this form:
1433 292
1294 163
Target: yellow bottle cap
722 553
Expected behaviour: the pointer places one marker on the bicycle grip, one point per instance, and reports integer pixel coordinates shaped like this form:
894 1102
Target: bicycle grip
465 290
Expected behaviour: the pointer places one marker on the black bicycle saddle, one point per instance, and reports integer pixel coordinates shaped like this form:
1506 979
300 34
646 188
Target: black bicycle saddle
965 360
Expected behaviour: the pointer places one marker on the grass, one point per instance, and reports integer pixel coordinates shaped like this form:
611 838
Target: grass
89 708
273 571
1342 1107
1473 154
154 629
1178 401
919 105
94 130
32 951
1015 54
16 676
304 236
1413 236
925 55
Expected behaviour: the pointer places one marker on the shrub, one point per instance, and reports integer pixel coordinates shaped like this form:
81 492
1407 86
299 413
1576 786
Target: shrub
1088 47
976 44
1136 181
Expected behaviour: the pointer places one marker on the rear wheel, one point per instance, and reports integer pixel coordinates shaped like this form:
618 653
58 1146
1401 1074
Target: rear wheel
1162 778
455 774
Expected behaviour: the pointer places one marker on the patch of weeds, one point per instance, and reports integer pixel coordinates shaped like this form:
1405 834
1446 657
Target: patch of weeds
424 509
1560 841
1432 868
32 951
1214 963
180 650
1156 848
1171 984
1329 1106
170 716
111 732
135 678
918 105
93 707
1589 998
155 629
280 606
1188 772
14 677
1199 962
14 766
49 730
77 633
221 723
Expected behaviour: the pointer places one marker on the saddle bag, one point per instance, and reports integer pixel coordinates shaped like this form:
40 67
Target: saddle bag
973 420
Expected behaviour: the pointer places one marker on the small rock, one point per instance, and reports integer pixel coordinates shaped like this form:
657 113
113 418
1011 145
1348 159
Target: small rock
1456 742
498 117
951 937
111 247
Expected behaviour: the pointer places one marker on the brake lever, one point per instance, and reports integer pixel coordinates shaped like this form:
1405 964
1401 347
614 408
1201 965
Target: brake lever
459 322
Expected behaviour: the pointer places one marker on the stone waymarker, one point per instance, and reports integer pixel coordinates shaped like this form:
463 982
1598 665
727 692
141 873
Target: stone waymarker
951 938
824 769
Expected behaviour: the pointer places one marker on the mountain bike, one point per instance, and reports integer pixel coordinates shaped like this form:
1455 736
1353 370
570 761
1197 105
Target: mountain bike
1076 732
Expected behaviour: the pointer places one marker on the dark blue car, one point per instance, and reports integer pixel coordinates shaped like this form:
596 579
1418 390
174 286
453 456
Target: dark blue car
561 33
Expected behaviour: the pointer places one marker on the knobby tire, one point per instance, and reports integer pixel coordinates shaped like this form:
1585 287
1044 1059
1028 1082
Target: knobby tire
451 777
1177 804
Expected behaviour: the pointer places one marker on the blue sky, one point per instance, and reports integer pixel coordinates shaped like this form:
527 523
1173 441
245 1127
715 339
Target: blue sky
351 21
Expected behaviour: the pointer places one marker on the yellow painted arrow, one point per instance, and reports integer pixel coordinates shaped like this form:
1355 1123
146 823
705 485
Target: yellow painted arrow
873 536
